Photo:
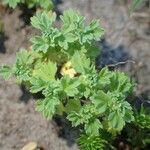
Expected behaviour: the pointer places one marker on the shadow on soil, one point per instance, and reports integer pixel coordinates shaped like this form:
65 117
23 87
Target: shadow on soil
142 100
66 131
56 8
28 13
26 95
110 55
3 38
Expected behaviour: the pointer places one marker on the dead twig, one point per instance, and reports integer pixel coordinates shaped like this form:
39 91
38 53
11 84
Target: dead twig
141 15
121 63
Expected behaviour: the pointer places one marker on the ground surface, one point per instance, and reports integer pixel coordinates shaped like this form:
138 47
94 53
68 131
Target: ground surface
19 123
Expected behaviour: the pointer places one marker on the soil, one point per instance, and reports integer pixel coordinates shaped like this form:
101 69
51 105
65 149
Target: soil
127 38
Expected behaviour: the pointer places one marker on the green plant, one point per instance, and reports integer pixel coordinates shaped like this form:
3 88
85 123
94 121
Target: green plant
61 66
1 26
139 130
135 4
142 118
45 4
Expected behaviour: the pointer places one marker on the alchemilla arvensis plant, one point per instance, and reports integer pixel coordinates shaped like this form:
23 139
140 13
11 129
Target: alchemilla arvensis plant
60 65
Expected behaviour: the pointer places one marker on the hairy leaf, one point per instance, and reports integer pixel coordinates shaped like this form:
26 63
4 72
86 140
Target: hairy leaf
90 142
83 116
101 100
43 21
116 121
104 77
6 71
92 128
23 66
46 71
82 64
70 86
121 83
73 105
47 106
37 85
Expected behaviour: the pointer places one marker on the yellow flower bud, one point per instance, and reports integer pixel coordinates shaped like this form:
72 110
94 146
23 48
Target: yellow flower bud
68 70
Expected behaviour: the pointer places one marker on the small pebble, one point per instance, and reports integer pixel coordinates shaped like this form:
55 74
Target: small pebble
30 146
